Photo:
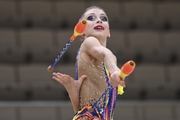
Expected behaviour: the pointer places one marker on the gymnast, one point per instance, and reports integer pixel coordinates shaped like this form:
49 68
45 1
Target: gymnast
93 93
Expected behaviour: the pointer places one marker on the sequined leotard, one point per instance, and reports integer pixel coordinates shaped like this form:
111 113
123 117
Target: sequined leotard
97 96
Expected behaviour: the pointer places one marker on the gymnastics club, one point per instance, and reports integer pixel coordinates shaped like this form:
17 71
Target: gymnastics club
126 70
78 30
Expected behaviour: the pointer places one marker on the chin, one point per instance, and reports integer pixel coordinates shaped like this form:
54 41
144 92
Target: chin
99 37
99 34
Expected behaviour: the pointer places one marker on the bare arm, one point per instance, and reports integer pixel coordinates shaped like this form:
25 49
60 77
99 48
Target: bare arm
72 86
93 48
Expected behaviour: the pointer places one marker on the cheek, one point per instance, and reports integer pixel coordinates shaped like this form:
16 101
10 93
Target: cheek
106 26
89 28
90 25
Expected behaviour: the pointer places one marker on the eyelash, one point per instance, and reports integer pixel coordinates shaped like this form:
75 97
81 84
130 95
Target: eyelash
92 18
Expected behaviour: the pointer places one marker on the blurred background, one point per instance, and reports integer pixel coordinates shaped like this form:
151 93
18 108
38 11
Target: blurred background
33 32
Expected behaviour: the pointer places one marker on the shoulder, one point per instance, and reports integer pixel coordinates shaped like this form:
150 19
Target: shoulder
90 41
89 44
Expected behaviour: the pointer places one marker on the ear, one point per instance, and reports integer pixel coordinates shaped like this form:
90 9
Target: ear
83 36
109 34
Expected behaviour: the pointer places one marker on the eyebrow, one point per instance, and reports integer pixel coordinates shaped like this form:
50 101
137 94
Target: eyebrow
94 14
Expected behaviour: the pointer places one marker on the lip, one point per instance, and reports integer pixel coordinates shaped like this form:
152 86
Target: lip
99 27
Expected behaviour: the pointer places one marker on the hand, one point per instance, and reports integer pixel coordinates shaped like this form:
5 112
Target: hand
115 79
72 86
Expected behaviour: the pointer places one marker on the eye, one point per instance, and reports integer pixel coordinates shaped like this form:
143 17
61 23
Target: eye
91 18
104 18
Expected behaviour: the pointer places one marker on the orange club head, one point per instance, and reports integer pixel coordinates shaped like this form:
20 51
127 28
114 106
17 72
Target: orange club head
79 29
128 67
81 26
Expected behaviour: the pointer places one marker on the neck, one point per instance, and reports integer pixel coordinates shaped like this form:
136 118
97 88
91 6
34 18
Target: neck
103 42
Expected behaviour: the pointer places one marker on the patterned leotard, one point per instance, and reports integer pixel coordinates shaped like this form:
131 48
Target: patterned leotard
97 96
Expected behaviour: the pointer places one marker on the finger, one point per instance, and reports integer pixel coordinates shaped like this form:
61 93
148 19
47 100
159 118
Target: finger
82 78
112 82
65 77
57 79
60 75
122 83
68 78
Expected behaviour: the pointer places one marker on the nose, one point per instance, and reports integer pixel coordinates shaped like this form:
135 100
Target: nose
99 21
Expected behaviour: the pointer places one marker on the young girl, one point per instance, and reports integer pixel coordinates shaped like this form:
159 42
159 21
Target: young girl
93 96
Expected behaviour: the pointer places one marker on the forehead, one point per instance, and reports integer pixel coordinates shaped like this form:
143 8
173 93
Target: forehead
94 11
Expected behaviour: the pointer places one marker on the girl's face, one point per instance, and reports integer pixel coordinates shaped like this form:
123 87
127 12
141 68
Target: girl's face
97 24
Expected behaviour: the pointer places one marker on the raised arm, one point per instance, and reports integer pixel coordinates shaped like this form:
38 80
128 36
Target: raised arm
93 48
